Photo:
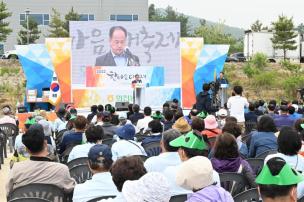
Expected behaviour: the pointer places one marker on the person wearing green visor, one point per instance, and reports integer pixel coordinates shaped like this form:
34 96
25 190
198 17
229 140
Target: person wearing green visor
278 181
189 145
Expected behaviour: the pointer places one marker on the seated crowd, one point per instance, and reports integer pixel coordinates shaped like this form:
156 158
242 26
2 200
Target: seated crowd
153 156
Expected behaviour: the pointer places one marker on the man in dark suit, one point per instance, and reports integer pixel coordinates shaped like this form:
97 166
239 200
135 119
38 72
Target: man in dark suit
119 55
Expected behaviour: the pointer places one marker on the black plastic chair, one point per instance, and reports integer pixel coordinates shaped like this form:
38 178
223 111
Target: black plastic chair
256 164
37 190
78 161
301 199
152 149
234 183
247 196
100 198
266 153
30 199
81 173
65 155
10 132
179 198
59 136
109 141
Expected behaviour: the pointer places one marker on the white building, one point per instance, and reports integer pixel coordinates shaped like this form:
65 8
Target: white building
99 10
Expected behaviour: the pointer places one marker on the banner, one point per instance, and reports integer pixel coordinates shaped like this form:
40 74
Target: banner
60 52
140 44
107 77
83 98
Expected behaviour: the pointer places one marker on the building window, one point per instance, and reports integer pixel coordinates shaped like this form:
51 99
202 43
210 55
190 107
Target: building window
87 17
124 17
40 19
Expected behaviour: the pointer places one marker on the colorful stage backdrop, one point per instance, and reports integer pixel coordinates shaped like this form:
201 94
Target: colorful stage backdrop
200 64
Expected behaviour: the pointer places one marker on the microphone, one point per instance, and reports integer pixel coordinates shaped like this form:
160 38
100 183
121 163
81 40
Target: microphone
132 60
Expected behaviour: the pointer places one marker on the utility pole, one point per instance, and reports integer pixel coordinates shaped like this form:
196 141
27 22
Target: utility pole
27 12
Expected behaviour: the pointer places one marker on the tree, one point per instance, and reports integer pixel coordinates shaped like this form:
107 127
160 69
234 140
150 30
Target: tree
33 33
256 26
170 16
71 16
4 26
57 25
283 36
214 34
300 28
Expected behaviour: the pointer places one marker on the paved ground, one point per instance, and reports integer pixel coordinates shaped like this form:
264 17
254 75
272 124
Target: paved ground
3 178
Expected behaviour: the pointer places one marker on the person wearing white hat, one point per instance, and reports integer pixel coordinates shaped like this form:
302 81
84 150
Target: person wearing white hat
221 117
7 118
196 174
152 187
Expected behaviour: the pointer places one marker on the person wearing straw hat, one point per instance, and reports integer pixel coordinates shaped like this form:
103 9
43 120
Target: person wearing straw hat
196 174
278 181
182 125
189 146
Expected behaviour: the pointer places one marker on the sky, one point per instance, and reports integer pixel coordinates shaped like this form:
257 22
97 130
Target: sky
238 13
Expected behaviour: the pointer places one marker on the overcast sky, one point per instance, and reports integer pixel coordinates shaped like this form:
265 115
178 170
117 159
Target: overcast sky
240 13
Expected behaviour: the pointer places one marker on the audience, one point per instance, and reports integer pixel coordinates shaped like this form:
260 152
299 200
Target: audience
101 184
235 130
283 119
196 174
251 116
236 105
289 144
39 168
93 113
59 120
130 111
94 135
156 130
74 138
152 187
189 146
108 127
126 146
7 117
168 119
221 115
278 181
264 139
211 127
136 114
169 155
142 124
182 125
271 111
125 168
227 159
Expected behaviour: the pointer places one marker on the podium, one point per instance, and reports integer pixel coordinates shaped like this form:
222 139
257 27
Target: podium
138 94
223 94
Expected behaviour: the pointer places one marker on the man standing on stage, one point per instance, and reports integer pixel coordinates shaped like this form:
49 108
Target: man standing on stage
136 81
119 55
222 79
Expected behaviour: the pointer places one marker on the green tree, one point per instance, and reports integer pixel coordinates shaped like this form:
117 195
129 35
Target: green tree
71 16
170 15
4 26
283 36
256 26
214 34
57 25
32 33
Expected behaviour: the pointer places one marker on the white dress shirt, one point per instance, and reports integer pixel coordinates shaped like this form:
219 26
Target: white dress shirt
170 173
126 148
80 151
118 198
162 161
7 119
101 184
143 123
236 106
